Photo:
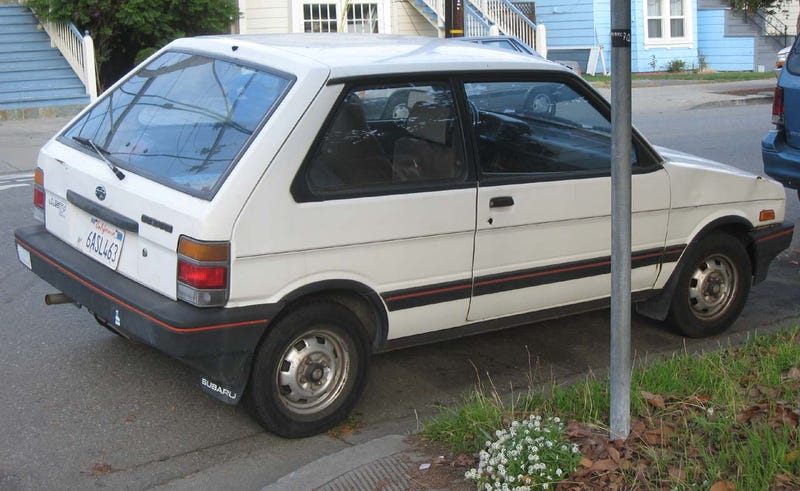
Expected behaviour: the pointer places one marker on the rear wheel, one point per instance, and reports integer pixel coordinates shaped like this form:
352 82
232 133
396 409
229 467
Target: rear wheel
713 285
310 371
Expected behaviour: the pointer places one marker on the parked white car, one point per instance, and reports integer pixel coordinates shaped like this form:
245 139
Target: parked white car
273 209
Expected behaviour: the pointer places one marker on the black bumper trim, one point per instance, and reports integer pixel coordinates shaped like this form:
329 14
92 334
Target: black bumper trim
767 244
216 341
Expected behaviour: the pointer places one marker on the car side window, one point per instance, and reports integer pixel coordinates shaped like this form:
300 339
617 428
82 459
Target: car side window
389 137
538 127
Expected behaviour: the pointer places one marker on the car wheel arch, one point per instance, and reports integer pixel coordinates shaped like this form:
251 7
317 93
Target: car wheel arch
359 298
658 306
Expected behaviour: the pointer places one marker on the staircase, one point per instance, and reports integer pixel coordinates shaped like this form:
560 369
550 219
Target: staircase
483 17
35 79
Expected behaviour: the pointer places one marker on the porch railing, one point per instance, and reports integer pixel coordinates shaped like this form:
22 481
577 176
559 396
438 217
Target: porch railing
509 20
77 49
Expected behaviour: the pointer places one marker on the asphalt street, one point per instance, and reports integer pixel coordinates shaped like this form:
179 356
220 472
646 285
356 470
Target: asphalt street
83 408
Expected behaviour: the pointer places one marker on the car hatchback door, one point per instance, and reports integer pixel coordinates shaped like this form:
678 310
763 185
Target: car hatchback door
544 202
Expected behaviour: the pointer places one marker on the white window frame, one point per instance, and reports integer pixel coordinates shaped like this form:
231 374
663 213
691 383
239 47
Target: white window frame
686 40
384 16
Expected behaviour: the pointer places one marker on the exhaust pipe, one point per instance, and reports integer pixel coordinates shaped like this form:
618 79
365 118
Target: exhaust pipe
56 299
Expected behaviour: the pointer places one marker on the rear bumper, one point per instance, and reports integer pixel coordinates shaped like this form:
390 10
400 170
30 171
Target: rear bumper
767 244
781 161
218 342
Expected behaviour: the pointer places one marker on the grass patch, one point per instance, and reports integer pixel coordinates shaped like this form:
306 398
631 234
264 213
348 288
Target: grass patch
728 417
704 76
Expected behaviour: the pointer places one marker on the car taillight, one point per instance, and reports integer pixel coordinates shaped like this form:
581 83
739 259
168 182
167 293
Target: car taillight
38 194
777 107
203 272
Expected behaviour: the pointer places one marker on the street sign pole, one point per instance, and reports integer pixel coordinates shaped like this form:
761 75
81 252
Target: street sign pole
620 410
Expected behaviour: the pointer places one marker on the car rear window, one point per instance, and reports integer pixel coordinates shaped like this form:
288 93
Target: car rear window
181 120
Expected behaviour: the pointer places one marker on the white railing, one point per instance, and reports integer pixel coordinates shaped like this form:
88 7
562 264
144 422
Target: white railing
509 20
78 50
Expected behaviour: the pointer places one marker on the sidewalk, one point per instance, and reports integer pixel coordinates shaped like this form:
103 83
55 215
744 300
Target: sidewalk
20 141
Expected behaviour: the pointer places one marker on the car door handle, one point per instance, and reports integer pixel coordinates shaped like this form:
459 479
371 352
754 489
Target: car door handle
501 201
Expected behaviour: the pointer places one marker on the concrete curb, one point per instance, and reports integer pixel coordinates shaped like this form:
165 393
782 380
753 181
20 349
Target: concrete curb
365 464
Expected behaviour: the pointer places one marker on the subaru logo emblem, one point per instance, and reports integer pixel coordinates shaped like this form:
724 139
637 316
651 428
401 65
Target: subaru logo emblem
100 192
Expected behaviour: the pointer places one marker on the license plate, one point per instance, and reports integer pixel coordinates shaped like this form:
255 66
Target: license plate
103 243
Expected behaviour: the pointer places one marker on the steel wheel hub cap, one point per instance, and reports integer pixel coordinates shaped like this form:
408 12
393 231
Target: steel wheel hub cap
313 371
712 287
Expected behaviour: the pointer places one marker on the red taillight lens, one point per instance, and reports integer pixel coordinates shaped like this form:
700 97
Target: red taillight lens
203 277
38 194
777 107
203 272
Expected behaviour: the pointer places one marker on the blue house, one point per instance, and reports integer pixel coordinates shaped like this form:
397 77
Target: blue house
666 33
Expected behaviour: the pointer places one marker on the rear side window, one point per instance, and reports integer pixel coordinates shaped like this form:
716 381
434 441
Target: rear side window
387 139
793 59
182 120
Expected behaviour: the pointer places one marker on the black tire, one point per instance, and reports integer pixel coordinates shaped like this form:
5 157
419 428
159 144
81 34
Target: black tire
310 370
540 102
712 288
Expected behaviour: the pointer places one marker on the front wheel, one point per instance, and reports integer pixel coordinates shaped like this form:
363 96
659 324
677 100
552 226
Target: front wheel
310 371
713 285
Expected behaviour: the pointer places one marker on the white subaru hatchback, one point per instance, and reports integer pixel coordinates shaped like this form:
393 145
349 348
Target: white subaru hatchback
273 209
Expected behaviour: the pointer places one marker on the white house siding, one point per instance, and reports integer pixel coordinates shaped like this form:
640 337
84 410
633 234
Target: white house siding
720 52
265 16
787 16
407 20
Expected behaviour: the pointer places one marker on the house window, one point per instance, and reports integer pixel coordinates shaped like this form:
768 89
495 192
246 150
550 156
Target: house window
323 17
362 17
667 21
320 17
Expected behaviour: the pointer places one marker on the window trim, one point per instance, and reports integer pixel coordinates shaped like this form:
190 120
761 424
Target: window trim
648 158
302 191
667 40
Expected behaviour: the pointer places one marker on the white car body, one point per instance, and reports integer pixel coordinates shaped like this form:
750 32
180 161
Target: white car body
412 265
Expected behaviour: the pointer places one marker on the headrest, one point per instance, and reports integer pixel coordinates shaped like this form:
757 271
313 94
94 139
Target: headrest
430 121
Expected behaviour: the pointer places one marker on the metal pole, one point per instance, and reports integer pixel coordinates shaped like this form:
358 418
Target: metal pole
620 410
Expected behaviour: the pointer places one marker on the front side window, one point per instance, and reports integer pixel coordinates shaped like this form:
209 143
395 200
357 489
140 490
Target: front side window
542 128
389 138
667 22
181 120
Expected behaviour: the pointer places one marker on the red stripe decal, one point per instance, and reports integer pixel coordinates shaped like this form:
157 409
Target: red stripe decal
776 234
430 292
132 308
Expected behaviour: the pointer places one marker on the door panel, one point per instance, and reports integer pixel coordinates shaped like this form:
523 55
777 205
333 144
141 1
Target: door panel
544 205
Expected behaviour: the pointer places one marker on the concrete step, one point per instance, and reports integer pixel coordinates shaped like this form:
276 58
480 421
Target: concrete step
22 86
42 103
44 95
14 28
14 9
25 65
35 74
23 37
37 54
10 47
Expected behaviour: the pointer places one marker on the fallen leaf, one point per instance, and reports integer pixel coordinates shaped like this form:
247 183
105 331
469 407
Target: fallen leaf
463 460
586 462
613 453
604 465
654 400
723 486
792 456
677 473
792 374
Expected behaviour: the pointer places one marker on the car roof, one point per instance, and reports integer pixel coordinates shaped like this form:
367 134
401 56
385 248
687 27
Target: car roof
351 55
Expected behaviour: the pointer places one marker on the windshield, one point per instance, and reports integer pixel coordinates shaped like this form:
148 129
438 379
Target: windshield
181 120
